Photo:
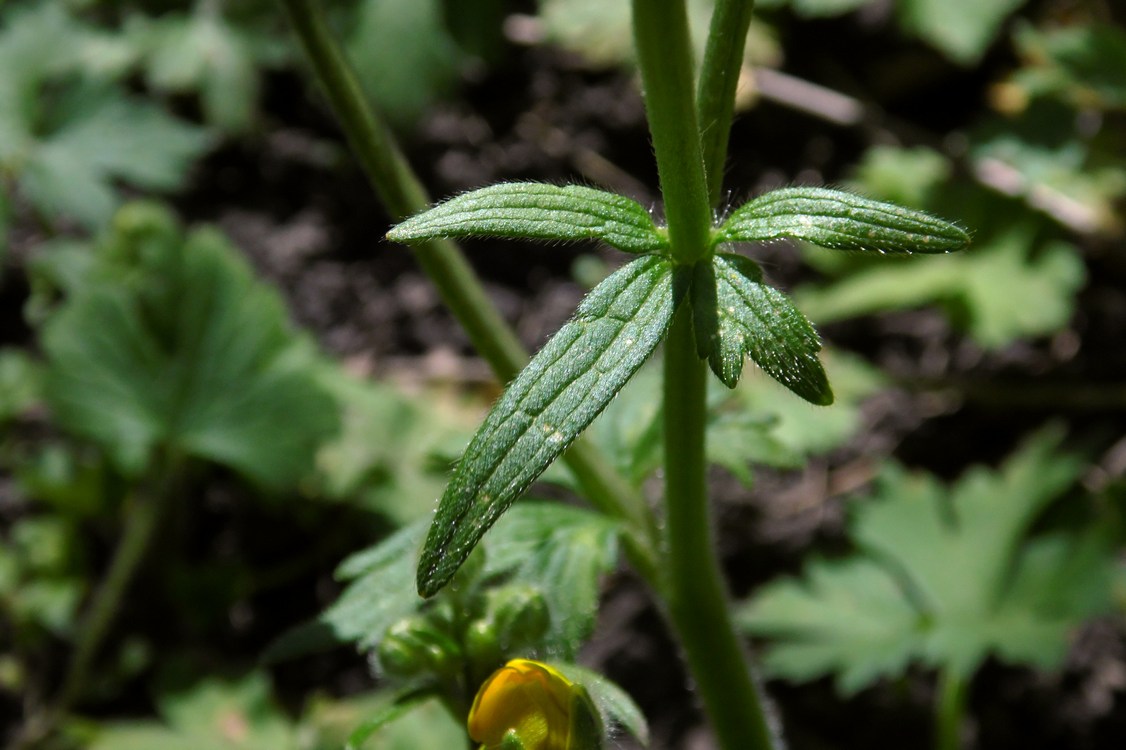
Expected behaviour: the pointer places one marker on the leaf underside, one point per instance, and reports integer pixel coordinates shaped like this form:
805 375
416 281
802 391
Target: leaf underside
736 315
842 221
532 210
562 390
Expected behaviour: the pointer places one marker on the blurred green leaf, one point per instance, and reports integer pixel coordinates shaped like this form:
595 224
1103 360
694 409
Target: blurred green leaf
19 382
215 713
908 176
68 135
795 431
403 54
1084 63
422 724
384 456
194 356
944 576
825 8
203 51
961 29
41 576
1043 156
1005 288
562 551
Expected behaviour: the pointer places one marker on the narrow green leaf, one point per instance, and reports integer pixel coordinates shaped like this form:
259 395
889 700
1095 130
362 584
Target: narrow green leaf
537 211
736 315
550 402
840 220
399 707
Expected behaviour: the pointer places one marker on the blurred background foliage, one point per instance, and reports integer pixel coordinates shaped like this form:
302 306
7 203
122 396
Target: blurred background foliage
182 346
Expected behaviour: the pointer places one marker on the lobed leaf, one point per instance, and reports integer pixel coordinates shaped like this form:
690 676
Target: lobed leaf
534 210
736 315
550 402
184 350
944 576
840 220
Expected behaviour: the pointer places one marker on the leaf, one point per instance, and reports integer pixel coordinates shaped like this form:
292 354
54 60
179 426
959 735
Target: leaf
563 552
1005 289
99 136
825 8
842 221
615 704
944 576
203 51
1080 61
736 315
404 55
534 210
796 431
568 383
392 712
19 383
383 458
962 29
213 713
847 618
191 355
378 594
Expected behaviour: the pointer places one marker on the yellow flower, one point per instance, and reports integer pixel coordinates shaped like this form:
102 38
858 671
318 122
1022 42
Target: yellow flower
531 705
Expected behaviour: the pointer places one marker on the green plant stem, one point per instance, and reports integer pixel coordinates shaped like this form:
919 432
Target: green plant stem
664 55
697 596
719 77
144 515
445 265
950 710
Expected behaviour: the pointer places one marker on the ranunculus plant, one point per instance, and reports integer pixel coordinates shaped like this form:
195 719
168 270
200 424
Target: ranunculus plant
687 288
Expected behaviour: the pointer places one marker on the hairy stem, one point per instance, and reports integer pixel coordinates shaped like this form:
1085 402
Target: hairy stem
719 77
445 265
697 597
660 30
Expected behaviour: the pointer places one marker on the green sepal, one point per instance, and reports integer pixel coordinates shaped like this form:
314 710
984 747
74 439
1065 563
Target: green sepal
568 383
736 315
533 210
842 221
586 731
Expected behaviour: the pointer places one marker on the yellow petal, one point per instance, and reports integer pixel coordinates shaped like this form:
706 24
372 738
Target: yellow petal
527 697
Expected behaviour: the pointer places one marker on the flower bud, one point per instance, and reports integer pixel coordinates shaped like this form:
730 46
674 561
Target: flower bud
521 616
414 648
528 705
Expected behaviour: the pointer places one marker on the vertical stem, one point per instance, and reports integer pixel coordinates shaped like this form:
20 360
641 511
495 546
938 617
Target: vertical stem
950 710
660 30
143 517
719 77
142 520
697 596
446 267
